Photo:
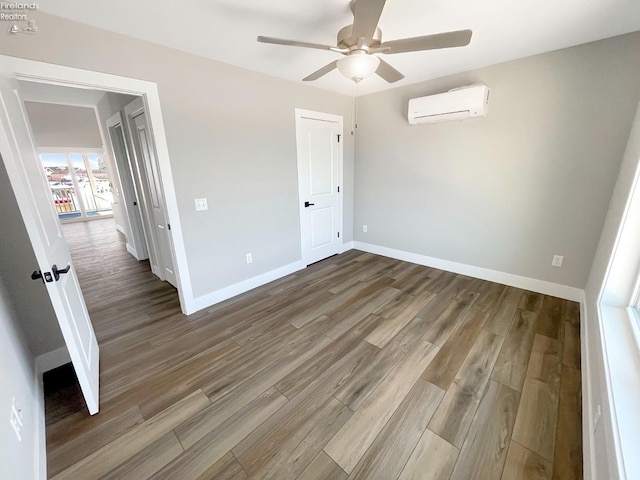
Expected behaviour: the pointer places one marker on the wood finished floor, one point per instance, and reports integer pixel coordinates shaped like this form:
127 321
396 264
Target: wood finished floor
359 366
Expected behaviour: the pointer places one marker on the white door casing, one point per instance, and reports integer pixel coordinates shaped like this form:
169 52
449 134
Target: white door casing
319 151
149 184
38 212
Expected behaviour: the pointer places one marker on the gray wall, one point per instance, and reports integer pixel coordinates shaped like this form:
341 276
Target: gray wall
63 126
18 459
17 261
231 138
507 192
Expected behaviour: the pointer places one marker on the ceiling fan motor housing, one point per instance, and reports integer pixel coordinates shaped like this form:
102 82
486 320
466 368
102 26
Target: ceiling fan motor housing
347 40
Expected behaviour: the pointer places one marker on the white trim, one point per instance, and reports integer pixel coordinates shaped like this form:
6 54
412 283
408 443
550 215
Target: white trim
49 361
131 249
617 328
301 113
246 285
30 70
120 228
72 150
622 364
41 429
526 283
346 247
586 359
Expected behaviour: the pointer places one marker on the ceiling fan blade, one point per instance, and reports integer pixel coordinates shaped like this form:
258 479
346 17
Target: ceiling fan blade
366 15
323 71
388 73
458 38
294 43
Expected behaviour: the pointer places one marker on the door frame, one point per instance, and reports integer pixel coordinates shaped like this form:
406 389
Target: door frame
41 72
301 114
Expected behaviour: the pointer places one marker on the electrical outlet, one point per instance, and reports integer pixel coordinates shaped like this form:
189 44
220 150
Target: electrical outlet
16 419
201 204
557 261
249 258
364 228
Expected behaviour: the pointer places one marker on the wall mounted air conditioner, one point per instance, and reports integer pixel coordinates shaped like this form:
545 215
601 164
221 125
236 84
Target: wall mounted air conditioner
456 104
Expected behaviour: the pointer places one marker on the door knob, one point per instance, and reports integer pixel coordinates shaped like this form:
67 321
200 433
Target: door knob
57 272
307 204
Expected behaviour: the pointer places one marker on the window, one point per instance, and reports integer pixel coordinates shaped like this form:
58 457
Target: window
79 183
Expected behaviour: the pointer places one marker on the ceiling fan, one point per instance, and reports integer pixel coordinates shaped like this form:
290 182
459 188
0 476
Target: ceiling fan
361 40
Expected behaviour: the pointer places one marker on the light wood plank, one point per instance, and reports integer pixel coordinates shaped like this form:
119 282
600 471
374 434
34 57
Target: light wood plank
147 461
567 458
296 381
551 317
231 400
64 455
512 363
113 454
200 456
349 445
396 317
501 318
449 359
432 459
531 302
323 467
393 446
304 445
535 426
485 449
259 447
523 464
455 414
227 468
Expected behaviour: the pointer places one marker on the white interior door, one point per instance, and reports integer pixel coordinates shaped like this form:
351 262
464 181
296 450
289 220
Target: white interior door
136 242
38 212
151 187
319 176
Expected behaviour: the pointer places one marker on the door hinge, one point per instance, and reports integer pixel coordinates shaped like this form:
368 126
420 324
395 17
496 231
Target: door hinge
339 138
338 234
338 189
169 226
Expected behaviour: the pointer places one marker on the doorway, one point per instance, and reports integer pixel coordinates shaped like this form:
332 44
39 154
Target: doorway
319 150
30 186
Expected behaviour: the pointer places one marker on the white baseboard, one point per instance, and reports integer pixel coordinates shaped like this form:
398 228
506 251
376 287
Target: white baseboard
526 283
346 246
237 288
120 228
132 251
51 360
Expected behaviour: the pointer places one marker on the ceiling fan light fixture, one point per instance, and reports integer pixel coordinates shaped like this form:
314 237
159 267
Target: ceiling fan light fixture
358 66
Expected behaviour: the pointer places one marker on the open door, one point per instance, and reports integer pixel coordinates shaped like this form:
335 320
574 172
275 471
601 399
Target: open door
52 254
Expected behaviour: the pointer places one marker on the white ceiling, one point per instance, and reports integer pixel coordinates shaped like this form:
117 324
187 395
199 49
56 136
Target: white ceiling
226 30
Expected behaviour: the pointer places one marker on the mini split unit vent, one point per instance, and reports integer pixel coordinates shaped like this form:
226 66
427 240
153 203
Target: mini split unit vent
456 104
